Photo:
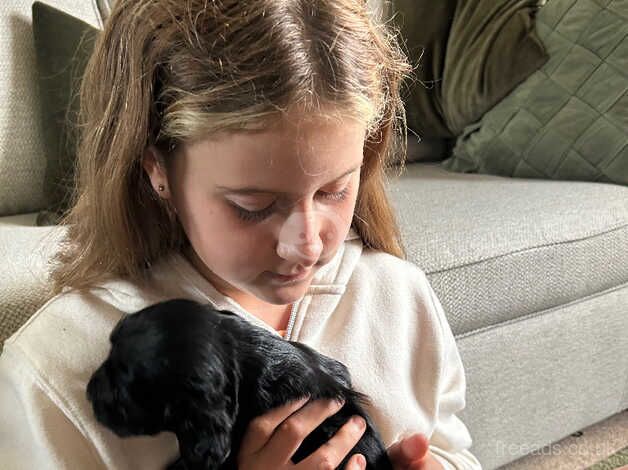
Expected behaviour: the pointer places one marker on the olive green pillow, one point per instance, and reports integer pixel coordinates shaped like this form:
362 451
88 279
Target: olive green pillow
467 54
63 45
569 120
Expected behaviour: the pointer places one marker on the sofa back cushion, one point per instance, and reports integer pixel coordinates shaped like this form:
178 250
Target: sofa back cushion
569 120
468 55
63 46
22 151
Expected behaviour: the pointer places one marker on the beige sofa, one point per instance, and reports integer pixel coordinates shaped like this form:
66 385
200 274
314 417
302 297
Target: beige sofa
533 274
24 247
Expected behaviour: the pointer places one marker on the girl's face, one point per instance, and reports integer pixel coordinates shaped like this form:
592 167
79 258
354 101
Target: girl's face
255 205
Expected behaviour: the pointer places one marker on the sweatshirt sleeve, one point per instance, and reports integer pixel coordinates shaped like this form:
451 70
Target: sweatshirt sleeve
35 432
450 440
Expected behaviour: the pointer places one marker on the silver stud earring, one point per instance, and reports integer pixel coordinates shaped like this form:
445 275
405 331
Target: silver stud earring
161 187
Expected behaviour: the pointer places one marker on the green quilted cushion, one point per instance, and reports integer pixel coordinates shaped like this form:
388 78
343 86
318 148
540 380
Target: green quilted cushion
63 45
569 120
468 55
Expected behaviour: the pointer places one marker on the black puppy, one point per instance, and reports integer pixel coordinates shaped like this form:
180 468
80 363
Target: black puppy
204 374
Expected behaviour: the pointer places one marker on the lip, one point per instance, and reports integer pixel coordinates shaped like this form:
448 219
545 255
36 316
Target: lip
295 278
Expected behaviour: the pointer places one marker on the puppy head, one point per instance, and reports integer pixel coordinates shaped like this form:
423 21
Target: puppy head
169 367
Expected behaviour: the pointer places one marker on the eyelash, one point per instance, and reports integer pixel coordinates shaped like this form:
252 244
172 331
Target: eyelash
256 216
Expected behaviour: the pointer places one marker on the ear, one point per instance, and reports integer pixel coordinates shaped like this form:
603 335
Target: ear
154 166
205 433
205 441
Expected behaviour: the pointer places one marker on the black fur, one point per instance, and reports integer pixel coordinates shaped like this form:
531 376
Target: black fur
204 374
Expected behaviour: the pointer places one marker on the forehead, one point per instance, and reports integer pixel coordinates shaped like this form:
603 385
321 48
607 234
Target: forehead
283 157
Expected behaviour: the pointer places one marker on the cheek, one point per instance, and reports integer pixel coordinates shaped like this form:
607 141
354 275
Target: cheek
216 234
227 244
337 223
347 208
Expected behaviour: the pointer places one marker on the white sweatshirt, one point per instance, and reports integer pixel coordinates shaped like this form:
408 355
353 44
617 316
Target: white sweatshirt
370 310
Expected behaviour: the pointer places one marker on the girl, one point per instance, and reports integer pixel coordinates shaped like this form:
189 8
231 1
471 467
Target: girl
234 153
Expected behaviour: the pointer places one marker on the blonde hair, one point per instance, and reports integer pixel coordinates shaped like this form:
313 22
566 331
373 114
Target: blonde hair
167 72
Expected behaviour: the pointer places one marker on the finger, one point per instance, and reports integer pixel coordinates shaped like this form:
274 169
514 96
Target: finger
356 462
410 449
260 429
332 453
290 434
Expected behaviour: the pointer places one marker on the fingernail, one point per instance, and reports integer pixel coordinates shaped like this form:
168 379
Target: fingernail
358 422
361 461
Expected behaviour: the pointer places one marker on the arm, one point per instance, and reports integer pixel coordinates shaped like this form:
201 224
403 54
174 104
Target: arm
443 389
34 430
450 440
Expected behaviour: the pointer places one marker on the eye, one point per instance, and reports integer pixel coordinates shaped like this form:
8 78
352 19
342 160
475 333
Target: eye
338 196
256 216
253 216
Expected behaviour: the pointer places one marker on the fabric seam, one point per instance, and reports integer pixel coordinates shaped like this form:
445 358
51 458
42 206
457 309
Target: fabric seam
530 248
546 311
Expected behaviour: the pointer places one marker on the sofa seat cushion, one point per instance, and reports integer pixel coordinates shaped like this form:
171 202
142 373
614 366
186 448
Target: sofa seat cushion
24 254
496 249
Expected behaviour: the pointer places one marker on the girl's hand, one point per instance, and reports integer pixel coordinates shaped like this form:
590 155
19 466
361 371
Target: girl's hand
271 439
412 453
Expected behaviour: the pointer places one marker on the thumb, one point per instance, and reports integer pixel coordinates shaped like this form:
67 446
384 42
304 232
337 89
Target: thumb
415 446
409 449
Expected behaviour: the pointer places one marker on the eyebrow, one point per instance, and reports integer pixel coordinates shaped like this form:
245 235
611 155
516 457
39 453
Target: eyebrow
256 190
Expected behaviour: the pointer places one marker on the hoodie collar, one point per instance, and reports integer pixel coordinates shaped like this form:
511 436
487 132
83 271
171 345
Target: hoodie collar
330 278
174 276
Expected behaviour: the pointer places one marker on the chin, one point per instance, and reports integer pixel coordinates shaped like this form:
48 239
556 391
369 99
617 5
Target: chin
284 295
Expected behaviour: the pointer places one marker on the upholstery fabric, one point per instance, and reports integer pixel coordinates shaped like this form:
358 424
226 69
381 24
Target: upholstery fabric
24 278
568 120
468 55
544 244
22 160
540 378
63 46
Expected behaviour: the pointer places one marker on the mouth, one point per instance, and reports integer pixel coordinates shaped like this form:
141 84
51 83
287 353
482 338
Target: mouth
290 279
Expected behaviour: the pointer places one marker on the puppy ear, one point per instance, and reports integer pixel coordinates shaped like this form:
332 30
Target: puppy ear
205 441
209 417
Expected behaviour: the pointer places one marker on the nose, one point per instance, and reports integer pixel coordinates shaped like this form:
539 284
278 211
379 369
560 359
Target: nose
299 240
